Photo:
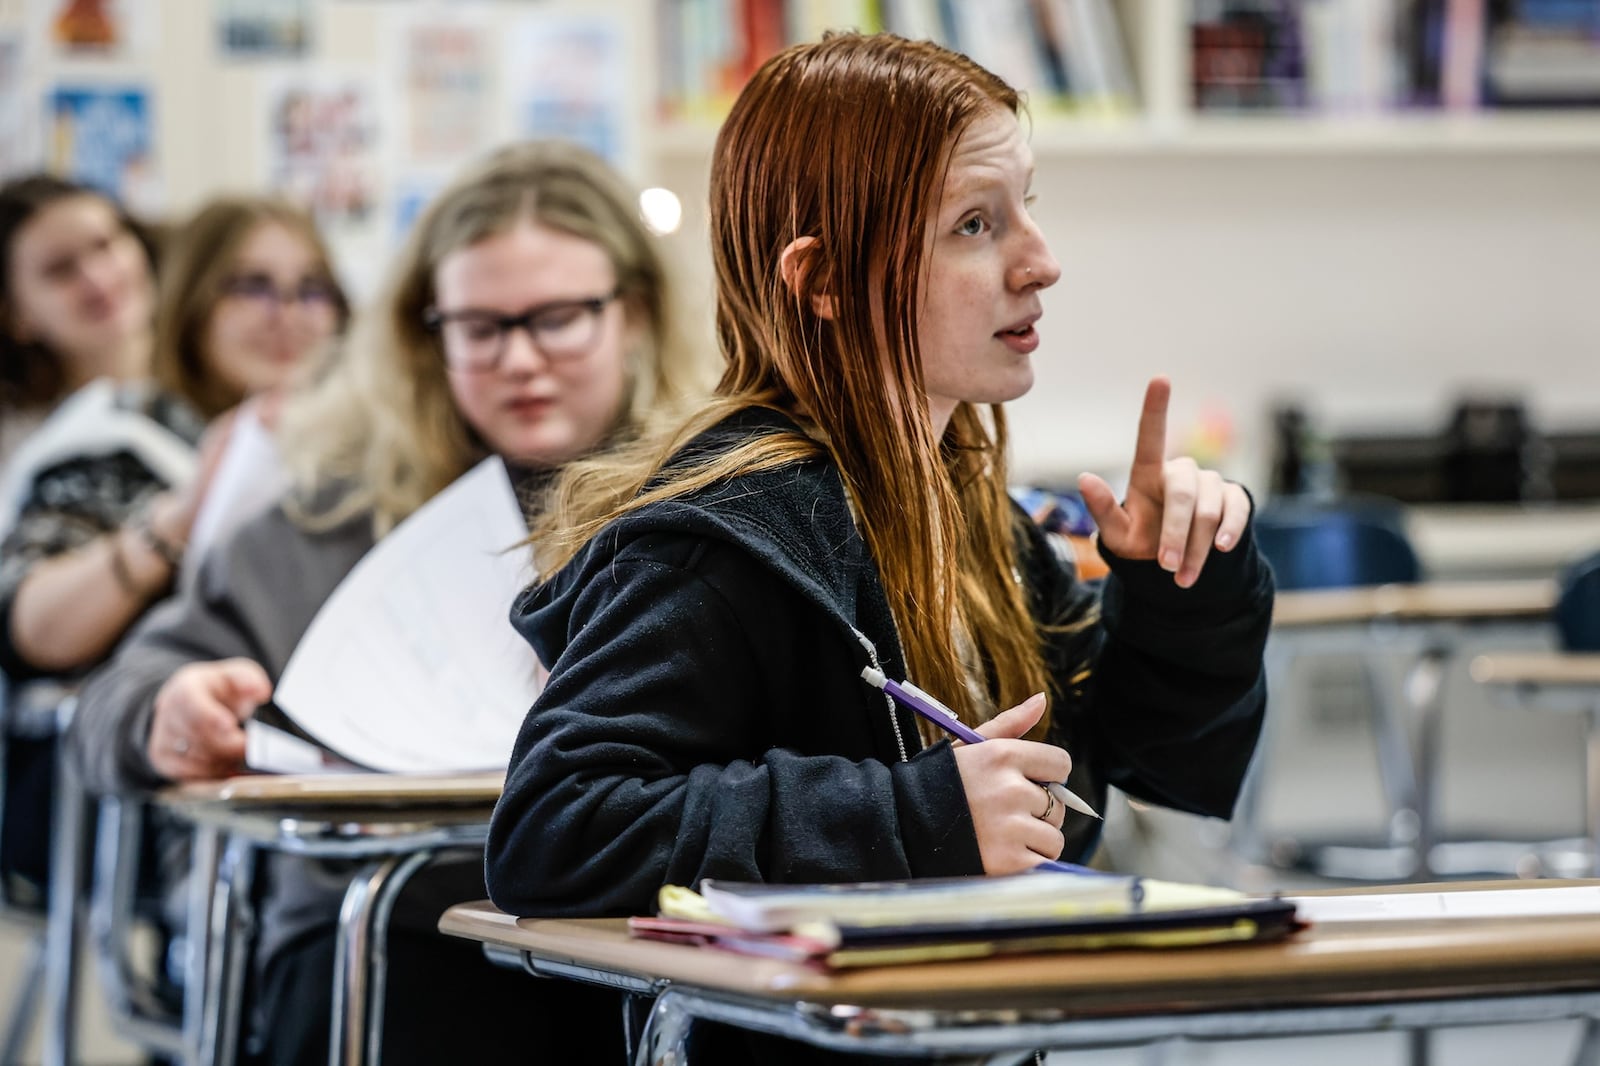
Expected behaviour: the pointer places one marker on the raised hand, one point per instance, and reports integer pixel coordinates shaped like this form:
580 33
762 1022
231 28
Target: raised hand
1001 778
1174 512
196 733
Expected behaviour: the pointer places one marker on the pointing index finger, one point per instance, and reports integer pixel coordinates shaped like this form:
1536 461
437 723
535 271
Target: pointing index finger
1150 453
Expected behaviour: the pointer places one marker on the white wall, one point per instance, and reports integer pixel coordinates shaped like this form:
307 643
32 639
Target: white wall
1376 285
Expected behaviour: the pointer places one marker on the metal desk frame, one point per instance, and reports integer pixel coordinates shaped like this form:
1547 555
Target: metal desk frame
1428 623
395 842
1406 977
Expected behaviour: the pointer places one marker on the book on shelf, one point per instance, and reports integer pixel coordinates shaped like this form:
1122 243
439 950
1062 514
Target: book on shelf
1361 56
899 922
1544 53
411 664
1068 55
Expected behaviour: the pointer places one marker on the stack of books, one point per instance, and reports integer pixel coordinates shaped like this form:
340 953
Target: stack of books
895 922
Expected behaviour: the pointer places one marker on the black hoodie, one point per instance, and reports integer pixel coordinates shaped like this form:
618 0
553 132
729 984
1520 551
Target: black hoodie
706 716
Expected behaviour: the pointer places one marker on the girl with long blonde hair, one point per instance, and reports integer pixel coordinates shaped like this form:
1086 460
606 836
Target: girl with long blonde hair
529 316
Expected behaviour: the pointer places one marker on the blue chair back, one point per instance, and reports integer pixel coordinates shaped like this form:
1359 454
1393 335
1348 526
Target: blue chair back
1578 605
1339 544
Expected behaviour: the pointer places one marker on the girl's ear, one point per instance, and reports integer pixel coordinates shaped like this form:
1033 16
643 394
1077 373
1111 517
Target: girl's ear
795 263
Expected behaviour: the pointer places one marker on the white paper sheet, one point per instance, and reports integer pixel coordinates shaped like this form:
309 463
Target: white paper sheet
249 478
272 751
1468 904
412 664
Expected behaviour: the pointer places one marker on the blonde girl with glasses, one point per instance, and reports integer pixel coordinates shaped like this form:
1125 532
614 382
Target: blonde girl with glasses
405 410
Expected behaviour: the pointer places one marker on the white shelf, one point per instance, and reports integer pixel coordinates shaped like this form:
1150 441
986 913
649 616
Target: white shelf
1413 133
1558 133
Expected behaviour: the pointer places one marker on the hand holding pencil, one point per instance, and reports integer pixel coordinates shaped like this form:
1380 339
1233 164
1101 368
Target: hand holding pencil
1017 819
1007 782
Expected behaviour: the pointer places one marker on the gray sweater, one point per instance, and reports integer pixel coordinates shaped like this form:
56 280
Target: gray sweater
254 596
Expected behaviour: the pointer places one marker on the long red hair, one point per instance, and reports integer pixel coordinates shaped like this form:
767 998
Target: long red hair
847 141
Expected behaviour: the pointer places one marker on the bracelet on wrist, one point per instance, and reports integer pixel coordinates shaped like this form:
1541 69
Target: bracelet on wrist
120 569
171 552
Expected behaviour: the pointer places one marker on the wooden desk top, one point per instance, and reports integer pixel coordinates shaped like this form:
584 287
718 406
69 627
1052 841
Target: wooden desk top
331 790
1439 601
1544 669
1400 961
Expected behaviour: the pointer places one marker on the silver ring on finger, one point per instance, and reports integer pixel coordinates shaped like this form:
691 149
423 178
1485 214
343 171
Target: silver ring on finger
1049 803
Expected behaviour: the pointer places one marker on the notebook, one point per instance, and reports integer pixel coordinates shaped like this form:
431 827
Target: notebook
899 922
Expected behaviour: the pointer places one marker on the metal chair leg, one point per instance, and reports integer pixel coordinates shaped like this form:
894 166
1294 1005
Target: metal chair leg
1591 791
1588 1052
24 1007
197 936
1425 691
232 929
666 1033
361 959
64 927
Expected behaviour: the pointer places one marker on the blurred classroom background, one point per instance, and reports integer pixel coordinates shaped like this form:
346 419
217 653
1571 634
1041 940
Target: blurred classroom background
1361 236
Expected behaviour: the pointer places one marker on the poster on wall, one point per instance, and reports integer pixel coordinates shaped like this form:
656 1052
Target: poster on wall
446 68
322 142
323 152
19 128
263 28
568 77
102 135
91 28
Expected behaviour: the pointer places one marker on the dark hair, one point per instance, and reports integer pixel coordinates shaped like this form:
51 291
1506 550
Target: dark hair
31 375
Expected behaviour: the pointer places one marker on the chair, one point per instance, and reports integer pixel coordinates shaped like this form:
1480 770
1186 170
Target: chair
1342 543
140 1010
1577 615
1336 545
31 915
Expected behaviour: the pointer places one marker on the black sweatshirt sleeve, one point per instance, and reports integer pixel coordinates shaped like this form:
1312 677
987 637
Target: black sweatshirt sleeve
690 729
1162 690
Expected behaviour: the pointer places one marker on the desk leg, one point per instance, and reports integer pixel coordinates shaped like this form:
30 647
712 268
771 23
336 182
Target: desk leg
1591 787
1588 1053
227 940
197 952
1419 1046
65 922
1425 693
361 958
666 1033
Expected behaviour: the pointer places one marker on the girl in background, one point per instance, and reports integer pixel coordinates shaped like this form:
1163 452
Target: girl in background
97 505
529 316
77 296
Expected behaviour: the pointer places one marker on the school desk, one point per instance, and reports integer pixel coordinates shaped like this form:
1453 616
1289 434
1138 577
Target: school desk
1428 623
1555 680
1409 976
397 823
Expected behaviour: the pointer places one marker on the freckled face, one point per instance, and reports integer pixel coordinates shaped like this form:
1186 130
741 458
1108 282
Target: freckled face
987 263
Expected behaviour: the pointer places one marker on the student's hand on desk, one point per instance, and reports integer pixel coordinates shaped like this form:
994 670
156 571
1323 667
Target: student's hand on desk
196 732
1175 512
1001 778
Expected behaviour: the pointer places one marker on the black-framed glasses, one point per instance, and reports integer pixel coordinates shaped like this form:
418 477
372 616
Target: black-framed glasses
476 339
311 293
